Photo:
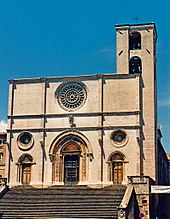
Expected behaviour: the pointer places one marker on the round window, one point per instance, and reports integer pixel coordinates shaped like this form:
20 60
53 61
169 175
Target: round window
71 95
119 138
25 140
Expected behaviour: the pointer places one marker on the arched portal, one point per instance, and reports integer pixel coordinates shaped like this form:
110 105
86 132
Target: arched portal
116 170
25 163
69 155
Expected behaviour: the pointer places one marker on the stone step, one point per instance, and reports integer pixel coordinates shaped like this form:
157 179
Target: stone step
66 210
61 211
89 214
78 206
75 202
59 189
53 216
62 194
59 214
61 202
46 192
62 197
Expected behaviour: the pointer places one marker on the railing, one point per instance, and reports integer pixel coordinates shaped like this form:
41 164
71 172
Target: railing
128 207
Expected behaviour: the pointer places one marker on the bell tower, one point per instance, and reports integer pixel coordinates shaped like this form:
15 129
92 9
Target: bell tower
136 54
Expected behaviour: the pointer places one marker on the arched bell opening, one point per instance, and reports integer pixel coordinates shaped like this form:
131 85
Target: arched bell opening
134 41
135 65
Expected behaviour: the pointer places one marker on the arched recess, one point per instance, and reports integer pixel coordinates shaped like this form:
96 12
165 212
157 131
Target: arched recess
116 167
25 163
135 65
134 41
70 148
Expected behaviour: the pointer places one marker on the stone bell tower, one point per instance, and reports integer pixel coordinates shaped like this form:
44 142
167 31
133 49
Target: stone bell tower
136 54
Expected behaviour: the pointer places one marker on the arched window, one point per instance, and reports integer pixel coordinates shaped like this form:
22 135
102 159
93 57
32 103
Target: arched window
135 65
134 41
117 167
26 158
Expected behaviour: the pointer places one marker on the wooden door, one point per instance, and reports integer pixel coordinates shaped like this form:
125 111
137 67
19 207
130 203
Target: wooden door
117 172
26 174
71 169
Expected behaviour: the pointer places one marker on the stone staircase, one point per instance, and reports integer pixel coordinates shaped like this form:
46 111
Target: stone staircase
61 202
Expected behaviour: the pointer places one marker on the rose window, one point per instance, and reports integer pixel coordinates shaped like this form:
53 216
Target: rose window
71 95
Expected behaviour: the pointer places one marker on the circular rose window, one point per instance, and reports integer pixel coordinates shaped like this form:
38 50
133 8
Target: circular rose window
71 95
25 140
119 138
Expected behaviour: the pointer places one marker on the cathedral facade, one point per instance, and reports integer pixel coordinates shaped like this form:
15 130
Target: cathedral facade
88 130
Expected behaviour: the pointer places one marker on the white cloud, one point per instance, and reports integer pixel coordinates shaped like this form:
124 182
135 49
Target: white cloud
164 103
107 49
3 126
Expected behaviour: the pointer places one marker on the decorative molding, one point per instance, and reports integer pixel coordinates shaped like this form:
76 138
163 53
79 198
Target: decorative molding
78 129
68 78
85 114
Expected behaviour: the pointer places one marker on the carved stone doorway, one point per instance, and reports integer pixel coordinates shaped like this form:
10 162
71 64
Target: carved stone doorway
69 155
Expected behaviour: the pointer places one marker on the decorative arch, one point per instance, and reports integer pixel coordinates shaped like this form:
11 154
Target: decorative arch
135 65
69 136
116 162
73 148
134 40
25 163
116 155
25 158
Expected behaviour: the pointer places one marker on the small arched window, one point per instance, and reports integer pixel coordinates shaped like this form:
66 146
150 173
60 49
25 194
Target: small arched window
118 156
25 158
134 41
135 65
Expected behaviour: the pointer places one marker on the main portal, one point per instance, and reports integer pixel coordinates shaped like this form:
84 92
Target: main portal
71 169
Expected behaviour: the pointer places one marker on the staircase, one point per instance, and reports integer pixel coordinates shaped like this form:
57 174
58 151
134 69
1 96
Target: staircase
61 202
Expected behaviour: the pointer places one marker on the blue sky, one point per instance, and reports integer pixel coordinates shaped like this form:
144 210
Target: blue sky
41 38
